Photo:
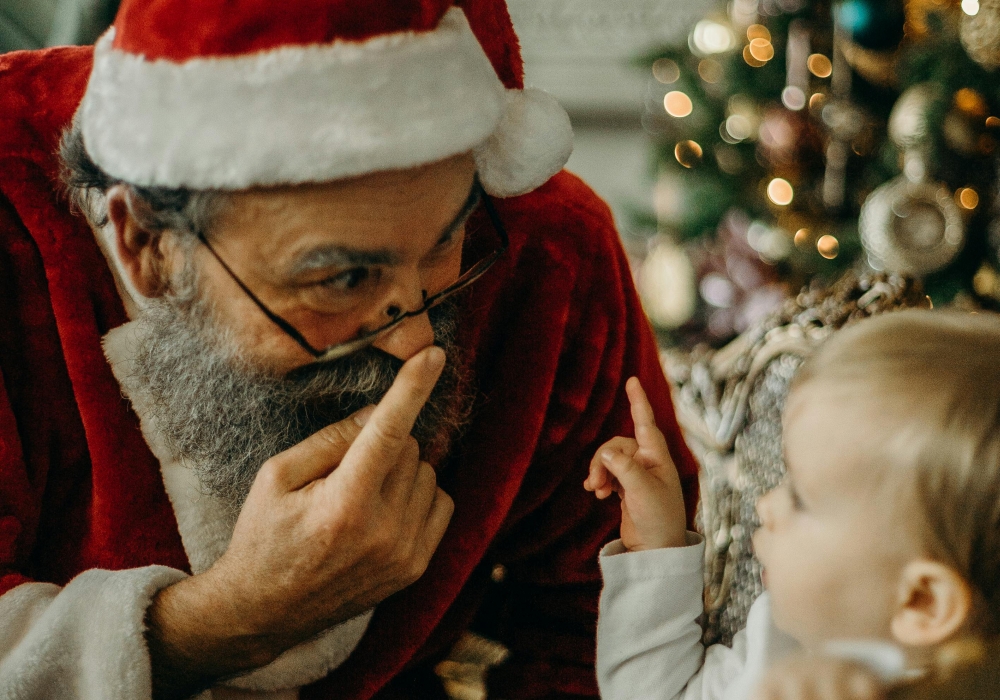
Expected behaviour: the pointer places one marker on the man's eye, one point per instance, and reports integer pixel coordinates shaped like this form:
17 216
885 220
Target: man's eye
348 279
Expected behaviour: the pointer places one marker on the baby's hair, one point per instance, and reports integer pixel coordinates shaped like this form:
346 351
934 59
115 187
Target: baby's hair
933 378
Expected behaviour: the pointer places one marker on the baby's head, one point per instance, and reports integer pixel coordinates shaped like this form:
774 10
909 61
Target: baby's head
888 524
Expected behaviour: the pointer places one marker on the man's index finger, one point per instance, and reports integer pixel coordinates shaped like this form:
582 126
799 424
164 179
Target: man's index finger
377 447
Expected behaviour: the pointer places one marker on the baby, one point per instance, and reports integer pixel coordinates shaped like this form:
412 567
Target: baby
881 544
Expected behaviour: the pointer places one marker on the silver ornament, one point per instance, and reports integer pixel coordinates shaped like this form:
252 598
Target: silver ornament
911 227
908 119
980 34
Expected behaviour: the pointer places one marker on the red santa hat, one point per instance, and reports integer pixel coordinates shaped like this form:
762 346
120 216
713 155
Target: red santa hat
215 94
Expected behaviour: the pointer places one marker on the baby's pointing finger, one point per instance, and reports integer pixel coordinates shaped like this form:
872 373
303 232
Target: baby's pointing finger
647 434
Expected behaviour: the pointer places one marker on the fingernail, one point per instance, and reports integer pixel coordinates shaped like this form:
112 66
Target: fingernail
607 456
362 416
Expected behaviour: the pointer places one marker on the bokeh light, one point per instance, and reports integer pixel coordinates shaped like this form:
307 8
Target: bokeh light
677 104
819 65
828 246
761 49
688 153
710 71
967 198
739 127
758 31
793 98
749 58
711 37
802 237
780 191
666 71
971 102
970 7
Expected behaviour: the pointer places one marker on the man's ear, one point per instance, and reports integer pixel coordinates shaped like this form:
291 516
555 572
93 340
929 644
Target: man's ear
934 604
138 248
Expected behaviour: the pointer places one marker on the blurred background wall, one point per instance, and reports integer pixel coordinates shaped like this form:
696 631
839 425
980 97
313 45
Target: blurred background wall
585 53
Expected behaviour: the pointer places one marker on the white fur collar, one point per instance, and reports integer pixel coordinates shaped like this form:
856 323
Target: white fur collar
205 532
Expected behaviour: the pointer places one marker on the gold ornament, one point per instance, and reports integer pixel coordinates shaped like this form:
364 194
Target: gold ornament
980 34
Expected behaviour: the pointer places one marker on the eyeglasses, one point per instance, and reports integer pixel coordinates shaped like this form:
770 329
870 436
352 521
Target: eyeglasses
339 350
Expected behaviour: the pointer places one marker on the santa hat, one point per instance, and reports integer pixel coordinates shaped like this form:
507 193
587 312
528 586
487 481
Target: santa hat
215 94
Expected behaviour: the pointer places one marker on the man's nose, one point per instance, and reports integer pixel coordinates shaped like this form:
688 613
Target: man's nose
408 338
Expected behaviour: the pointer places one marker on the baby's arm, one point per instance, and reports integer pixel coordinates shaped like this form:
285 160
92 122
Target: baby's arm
648 636
641 471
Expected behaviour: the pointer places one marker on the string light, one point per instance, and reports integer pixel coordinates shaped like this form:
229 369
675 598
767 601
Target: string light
970 7
749 58
802 237
819 65
780 191
677 104
967 198
710 71
666 71
688 153
761 49
828 246
711 37
970 101
758 31
992 122
738 127
793 98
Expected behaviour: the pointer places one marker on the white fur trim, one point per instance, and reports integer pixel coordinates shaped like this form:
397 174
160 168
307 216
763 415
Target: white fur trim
84 641
206 530
293 114
531 144
318 113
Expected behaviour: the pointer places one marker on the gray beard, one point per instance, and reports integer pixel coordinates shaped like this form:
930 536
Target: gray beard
226 417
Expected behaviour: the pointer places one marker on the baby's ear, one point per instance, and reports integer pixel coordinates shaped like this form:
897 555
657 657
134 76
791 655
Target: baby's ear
934 603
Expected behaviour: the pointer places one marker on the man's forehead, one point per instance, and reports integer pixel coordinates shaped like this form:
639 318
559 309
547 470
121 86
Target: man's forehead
308 227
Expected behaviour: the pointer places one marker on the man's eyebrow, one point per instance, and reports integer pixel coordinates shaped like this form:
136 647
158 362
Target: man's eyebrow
325 256
343 256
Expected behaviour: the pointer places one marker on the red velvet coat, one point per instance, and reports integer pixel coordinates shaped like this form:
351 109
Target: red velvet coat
554 331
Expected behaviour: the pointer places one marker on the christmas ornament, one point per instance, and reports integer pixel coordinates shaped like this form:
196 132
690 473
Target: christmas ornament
666 284
911 227
908 120
980 34
871 24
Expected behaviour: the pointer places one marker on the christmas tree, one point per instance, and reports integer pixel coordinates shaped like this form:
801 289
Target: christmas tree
798 140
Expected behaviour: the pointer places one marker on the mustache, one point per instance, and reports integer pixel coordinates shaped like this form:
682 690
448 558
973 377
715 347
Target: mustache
227 416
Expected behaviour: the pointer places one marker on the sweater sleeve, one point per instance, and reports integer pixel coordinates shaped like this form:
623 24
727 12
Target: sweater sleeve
648 636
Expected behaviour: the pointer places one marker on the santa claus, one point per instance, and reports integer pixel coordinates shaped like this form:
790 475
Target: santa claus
306 342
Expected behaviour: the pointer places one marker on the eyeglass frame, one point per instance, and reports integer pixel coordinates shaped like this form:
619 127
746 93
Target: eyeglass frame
349 347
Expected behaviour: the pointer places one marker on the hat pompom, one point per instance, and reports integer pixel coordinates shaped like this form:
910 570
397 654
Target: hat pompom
532 142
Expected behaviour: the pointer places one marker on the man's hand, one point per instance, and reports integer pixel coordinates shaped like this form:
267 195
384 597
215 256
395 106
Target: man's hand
818 678
331 527
643 474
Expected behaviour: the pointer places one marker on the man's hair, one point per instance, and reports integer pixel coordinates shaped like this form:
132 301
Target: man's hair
182 210
933 378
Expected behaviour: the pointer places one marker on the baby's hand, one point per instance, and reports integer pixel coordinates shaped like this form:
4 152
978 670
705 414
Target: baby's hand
643 474
818 678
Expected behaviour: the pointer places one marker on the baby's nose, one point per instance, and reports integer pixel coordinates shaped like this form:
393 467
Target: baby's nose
765 510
